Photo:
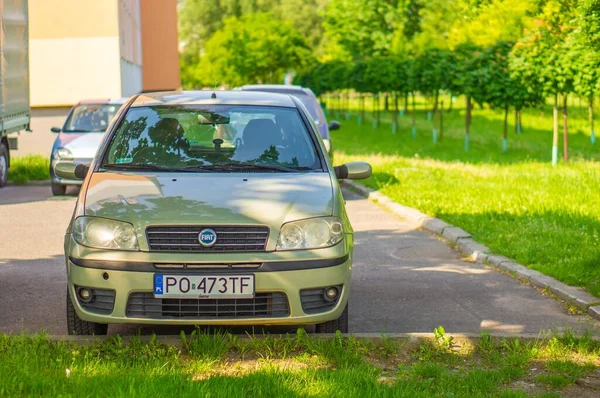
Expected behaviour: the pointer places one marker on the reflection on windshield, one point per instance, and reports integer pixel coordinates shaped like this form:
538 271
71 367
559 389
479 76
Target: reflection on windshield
90 118
212 137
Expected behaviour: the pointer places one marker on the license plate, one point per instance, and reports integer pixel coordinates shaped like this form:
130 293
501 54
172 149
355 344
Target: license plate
203 286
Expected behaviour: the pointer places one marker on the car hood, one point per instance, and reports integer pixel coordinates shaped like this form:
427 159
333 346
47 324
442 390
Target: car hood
209 198
81 145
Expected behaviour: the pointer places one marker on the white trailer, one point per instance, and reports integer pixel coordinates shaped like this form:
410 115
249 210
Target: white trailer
14 78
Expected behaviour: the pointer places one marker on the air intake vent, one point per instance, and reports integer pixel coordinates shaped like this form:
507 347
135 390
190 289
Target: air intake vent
263 305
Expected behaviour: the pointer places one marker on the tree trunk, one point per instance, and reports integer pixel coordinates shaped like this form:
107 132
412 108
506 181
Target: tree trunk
565 131
555 132
505 130
395 114
467 122
516 121
406 103
362 108
377 107
591 117
414 116
435 116
442 120
386 103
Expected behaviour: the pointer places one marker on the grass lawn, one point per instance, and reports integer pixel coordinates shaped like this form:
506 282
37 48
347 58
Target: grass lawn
516 203
227 366
29 168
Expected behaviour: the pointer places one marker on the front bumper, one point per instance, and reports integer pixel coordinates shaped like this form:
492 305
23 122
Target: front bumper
290 283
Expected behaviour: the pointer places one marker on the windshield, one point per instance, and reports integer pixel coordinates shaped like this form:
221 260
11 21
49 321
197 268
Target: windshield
90 118
212 138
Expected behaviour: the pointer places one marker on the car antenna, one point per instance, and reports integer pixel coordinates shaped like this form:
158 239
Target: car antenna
214 94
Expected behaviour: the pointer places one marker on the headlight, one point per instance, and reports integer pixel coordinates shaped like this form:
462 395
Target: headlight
62 153
312 233
103 233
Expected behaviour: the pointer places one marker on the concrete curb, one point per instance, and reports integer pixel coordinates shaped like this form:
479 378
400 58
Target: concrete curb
34 183
480 253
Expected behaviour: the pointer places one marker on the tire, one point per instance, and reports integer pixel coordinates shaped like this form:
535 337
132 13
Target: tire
333 326
3 165
79 327
58 189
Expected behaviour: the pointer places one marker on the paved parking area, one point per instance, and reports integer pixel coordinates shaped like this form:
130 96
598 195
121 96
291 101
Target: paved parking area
404 279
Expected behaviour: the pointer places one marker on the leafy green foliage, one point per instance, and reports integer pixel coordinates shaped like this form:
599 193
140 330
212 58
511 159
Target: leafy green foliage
362 27
254 48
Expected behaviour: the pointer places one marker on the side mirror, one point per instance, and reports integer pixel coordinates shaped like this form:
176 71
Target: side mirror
55 129
334 125
353 171
71 171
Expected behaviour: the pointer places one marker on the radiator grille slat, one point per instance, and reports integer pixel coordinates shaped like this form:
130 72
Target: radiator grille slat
185 239
263 305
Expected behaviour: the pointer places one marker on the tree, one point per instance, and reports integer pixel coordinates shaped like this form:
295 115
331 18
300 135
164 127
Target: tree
255 48
200 19
584 55
462 80
494 85
433 66
485 23
362 27
540 62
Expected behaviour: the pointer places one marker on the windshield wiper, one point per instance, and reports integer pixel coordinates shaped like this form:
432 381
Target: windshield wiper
136 166
83 131
254 166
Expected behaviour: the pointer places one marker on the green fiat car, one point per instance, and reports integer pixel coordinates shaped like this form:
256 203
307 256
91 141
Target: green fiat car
179 223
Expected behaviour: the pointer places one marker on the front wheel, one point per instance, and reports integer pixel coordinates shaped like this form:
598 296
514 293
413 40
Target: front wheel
79 327
58 189
3 165
333 326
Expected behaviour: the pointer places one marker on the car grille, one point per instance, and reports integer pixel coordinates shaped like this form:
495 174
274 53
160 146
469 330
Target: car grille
102 301
314 301
263 305
229 239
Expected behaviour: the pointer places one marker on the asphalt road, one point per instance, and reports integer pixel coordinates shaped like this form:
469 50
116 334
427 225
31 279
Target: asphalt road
404 279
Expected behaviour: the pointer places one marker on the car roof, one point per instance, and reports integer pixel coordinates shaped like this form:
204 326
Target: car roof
205 97
97 101
284 88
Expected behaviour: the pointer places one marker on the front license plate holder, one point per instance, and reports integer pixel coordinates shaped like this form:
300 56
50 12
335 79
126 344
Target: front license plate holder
204 287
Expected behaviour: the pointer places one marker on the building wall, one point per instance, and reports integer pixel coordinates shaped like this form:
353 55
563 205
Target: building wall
71 54
160 45
84 49
130 47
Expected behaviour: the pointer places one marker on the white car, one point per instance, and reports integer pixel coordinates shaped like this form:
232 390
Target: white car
80 136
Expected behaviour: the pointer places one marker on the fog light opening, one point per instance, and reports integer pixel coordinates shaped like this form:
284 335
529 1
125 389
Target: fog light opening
331 293
85 294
